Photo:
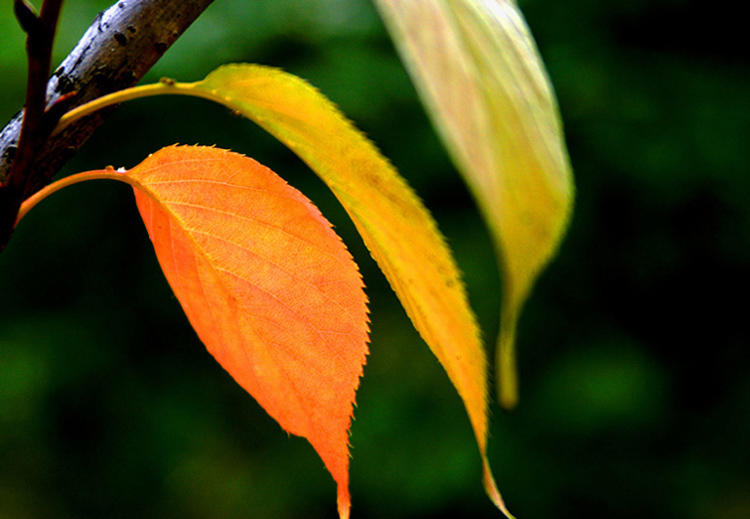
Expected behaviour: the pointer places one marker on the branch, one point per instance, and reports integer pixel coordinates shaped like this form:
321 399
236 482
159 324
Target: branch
122 44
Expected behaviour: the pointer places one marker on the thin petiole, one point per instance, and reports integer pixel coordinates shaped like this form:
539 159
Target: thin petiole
43 193
163 87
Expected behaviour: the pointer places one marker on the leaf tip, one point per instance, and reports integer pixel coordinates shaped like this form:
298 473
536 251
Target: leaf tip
492 491
344 501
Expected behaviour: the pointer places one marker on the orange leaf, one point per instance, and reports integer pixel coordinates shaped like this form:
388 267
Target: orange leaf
268 286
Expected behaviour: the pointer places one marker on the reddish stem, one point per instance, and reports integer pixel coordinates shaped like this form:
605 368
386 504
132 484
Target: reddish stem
40 36
35 129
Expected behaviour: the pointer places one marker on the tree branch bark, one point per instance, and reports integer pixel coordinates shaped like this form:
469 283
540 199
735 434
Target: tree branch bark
122 44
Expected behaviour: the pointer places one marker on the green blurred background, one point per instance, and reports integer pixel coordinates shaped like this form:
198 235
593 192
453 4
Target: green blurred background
633 349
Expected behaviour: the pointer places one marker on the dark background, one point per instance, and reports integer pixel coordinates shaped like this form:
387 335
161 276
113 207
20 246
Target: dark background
633 349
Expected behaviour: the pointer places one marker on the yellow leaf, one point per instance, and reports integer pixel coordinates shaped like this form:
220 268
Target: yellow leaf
396 227
478 71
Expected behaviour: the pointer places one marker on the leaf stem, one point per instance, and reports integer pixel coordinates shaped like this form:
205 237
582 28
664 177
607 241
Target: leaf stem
506 369
43 193
165 86
507 377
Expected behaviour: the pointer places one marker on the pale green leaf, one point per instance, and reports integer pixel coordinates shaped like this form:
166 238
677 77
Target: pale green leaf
479 73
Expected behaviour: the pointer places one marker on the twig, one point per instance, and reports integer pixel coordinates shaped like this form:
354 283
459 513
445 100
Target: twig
40 34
